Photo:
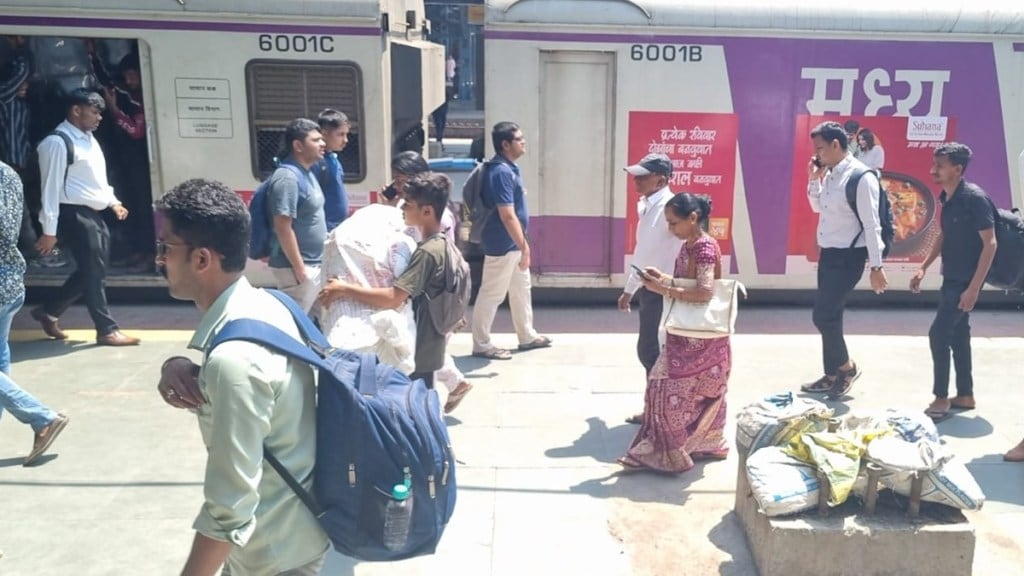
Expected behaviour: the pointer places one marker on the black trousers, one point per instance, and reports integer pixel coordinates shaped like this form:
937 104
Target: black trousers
839 270
427 377
647 347
27 236
83 232
951 330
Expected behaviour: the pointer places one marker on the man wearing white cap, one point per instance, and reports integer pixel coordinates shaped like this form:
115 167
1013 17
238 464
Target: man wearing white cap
655 246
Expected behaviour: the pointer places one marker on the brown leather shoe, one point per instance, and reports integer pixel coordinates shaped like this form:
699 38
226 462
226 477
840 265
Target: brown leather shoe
49 325
45 437
117 338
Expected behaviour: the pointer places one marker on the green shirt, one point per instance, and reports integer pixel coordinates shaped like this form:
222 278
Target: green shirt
256 397
425 277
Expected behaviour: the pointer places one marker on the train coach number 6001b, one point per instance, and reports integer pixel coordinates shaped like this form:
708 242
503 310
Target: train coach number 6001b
296 43
666 53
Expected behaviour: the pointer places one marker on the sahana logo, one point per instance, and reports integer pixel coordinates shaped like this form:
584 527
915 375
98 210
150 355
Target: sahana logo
927 128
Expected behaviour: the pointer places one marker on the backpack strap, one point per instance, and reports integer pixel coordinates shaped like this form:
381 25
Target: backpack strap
851 199
69 146
301 175
264 334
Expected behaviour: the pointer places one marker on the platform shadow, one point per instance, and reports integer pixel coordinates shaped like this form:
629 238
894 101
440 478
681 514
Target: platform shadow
590 444
965 425
999 480
44 348
728 536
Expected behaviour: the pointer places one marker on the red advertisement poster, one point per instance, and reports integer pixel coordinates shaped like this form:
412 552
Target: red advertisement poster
703 152
907 145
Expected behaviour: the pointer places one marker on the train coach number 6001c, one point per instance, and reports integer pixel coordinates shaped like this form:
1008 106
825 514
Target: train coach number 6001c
296 43
666 53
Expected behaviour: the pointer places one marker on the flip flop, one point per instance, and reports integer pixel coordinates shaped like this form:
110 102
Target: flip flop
494 354
939 415
540 342
455 398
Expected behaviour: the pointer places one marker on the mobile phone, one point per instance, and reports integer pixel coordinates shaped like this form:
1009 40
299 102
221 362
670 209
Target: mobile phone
639 272
816 161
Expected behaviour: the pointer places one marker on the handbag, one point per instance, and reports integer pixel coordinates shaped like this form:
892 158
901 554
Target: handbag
713 319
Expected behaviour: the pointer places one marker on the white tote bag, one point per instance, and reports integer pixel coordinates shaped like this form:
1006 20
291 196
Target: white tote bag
713 319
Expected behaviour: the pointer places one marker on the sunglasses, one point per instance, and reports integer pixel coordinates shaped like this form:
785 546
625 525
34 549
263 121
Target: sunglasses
163 247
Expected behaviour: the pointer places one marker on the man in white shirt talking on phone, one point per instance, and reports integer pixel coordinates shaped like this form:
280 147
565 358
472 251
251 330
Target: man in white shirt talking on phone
655 246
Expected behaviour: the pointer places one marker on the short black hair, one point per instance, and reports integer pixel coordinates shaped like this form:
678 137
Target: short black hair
329 118
85 97
851 126
430 189
409 163
958 154
684 204
297 129
208 214
503 132
829 131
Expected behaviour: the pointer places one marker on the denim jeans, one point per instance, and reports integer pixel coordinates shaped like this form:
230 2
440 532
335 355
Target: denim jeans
21 404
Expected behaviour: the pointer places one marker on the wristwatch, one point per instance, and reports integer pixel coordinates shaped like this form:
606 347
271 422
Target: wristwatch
875 268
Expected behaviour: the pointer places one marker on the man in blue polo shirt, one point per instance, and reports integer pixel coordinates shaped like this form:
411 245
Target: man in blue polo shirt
967 243
506 249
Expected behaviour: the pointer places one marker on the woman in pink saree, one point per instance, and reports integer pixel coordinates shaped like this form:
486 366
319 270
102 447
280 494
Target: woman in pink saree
684 406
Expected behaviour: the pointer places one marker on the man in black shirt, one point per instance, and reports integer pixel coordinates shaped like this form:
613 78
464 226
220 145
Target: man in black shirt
967 244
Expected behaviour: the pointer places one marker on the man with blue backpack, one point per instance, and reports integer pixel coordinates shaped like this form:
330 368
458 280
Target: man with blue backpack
383 485
295 212
247 397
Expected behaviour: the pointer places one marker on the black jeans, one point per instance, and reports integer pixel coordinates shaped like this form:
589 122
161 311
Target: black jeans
839 270
647 346
951 330
83 232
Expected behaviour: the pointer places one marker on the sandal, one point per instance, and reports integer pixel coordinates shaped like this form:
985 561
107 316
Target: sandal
456 396
494 354
635 419
953 405
540 342
821 385
628 465
938 415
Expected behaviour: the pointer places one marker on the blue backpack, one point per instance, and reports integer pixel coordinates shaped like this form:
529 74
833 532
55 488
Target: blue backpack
261 241
375 429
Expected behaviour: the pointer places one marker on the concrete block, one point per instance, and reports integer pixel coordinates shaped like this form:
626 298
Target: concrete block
847 542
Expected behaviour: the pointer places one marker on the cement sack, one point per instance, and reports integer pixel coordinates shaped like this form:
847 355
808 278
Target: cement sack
947 480
775 420
781 484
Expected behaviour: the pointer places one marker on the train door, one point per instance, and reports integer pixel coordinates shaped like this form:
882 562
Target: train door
575 146
112 67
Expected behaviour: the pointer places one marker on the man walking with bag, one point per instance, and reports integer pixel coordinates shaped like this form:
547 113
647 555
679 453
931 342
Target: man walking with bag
847 240
506 249
245 396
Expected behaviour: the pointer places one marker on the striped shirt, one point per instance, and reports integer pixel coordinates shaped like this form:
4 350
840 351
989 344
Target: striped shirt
14 117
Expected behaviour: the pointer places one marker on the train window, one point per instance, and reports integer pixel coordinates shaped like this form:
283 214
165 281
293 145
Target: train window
280 91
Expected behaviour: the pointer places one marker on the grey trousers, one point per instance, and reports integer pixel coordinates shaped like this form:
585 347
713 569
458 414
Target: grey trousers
647 346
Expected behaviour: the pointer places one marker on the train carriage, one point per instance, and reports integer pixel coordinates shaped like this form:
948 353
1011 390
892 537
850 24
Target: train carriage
221 78
730 90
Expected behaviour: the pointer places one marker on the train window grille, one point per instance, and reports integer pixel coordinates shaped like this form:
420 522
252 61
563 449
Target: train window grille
279 92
